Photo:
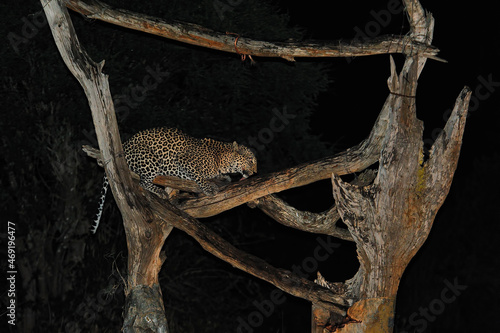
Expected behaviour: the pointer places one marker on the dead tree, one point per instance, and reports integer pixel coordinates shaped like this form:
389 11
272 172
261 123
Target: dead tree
389 214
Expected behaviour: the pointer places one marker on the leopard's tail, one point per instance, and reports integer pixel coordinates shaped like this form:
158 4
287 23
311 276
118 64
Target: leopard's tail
104 189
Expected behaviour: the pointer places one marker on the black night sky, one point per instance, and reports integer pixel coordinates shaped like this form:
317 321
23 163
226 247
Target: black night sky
50 189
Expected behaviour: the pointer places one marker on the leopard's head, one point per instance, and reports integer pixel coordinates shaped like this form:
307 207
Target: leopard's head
243 161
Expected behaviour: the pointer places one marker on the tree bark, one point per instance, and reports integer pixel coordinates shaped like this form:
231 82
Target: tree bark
281 278
145 236
231 42
323 223
389 219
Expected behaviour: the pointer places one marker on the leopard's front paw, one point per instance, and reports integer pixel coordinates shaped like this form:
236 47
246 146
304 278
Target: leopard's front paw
209 188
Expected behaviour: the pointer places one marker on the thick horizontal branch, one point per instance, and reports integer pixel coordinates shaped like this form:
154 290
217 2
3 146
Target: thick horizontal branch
323 223
228 42
213 243
259 186
355 159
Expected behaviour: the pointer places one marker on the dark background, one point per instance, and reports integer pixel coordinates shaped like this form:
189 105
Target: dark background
69 280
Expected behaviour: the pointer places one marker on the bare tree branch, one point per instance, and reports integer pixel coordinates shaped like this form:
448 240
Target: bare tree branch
281 278
444 154
322 223
390 219
355 159
401 202
352 160
144 239
228 42
213 243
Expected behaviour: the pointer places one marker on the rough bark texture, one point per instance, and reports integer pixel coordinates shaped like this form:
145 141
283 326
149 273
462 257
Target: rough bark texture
144 238
144 311
231 42
322 223
391 219
388 219
354 159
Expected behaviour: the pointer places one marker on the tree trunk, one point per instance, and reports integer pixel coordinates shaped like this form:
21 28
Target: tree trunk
388 219
145 234
391 219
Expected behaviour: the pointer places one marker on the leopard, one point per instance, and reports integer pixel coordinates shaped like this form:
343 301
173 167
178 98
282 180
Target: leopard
171 152
168 151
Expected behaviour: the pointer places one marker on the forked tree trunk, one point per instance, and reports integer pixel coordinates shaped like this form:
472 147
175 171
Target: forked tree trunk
391 218
388 219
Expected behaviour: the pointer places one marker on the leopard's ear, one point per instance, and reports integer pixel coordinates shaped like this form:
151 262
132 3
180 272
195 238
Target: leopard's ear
235 145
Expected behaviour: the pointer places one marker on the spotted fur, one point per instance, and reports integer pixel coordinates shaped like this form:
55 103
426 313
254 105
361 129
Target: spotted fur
170 152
